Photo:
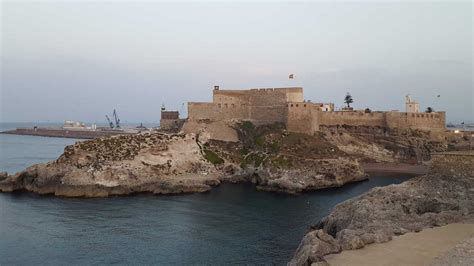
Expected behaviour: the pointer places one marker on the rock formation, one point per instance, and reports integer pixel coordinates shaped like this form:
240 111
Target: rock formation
179 163
378 144
125 164
268 155
445 195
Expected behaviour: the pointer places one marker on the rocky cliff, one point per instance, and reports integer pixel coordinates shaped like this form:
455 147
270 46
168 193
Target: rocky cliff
125 164
178 163
445 195
268 155
378 144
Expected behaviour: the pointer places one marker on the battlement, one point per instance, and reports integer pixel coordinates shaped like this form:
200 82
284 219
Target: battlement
287 105
256 90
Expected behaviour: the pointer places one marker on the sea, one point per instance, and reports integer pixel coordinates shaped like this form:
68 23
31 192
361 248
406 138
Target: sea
231 224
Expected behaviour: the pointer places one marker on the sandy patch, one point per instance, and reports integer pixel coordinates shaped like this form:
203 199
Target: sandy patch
409 249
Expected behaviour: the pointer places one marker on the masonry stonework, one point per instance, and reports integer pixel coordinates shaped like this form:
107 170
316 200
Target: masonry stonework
287 105
261 106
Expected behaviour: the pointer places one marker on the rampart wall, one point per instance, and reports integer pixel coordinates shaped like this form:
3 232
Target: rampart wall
375 119
287 105
303 118
306 118
217 112
425 121
260 106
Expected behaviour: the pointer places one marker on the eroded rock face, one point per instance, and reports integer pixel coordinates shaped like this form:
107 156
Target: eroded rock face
268 155
280 161
376 144
310 175
161 163
435 199
125 164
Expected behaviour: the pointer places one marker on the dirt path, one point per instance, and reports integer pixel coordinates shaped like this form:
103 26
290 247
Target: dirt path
409 249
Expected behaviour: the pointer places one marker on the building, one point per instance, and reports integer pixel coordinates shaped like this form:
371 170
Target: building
326 107
287 105
74 124
411 106
170 119
261 106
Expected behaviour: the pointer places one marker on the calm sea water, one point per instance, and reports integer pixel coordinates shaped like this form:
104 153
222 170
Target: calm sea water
232 224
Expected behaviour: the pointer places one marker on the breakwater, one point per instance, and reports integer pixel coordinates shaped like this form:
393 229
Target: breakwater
66 133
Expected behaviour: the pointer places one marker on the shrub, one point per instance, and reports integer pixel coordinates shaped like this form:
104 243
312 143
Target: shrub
212 157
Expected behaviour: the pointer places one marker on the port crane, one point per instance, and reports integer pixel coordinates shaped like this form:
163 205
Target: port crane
110 122
116 118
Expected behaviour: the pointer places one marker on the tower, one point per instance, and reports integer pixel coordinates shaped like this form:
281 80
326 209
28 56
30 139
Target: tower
411 106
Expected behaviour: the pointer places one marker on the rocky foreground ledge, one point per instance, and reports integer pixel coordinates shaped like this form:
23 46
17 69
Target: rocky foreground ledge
444 196
182 163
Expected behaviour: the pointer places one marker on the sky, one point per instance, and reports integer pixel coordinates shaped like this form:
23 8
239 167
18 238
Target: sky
80 60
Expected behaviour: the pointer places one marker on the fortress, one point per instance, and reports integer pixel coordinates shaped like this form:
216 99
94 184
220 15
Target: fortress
287 105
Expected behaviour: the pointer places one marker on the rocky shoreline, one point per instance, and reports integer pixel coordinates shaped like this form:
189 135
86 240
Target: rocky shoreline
445 195
268 156
274 160
183 163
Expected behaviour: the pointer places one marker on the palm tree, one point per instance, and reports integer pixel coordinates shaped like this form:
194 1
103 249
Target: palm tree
429 109
348 100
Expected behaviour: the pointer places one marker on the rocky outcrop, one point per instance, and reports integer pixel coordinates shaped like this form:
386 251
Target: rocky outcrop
445 195
461 255
276 160
118 165
179 163
311 175
269 156
378 144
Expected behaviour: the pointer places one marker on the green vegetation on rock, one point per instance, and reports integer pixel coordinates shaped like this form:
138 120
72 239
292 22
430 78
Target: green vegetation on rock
212 157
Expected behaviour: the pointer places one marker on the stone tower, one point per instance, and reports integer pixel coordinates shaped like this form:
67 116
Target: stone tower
411 106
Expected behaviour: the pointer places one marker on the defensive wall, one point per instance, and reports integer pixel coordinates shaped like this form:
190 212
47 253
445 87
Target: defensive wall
261 106
287 105
307 117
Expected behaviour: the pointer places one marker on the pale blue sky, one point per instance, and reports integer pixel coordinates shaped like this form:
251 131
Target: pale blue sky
81 60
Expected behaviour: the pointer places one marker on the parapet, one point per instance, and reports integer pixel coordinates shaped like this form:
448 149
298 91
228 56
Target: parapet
258 90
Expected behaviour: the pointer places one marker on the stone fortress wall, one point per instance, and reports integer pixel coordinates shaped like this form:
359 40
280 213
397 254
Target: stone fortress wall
261 106
287 105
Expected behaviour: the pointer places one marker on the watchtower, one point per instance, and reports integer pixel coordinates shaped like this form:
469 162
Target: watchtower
411 106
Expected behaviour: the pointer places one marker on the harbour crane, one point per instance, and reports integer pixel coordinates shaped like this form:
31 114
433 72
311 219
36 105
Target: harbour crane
117 120
110 122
